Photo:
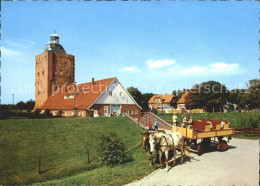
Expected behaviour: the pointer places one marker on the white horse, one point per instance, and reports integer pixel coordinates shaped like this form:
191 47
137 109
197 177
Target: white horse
166 143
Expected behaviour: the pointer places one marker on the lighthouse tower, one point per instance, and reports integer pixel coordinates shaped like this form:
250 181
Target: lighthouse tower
54 68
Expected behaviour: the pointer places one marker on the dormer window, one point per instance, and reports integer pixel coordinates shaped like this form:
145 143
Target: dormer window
68 96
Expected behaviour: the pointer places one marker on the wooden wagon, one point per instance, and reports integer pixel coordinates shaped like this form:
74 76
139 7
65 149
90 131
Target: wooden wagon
206 131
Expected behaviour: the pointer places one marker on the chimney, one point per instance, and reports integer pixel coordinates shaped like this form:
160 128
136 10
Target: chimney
93 81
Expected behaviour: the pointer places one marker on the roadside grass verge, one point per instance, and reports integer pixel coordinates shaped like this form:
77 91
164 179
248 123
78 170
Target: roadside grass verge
243 120
238 119
62 145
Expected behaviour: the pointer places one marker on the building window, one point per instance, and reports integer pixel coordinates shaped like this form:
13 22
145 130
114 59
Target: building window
38 74
136 111
65 64
68 74
43 72
121 94
61 73
127 111
110 92
131 112
55 73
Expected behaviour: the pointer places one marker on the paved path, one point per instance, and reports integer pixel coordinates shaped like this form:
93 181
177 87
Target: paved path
239 165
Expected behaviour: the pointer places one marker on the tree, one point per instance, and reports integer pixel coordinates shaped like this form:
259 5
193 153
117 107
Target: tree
145 98
177 94
210 95
253 94
238 97
21 105
136 94
29 105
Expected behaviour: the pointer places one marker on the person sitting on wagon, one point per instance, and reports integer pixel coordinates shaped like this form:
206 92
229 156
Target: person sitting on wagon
187 121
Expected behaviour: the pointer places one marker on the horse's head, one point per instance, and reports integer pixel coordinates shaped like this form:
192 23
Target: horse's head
144 139
152 142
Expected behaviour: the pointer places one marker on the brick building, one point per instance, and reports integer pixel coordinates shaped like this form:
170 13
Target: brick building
54 68
160 100
181 104
105 97
55 88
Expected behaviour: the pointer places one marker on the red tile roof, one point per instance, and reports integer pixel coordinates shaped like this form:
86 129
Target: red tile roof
86 95
183 98
167 98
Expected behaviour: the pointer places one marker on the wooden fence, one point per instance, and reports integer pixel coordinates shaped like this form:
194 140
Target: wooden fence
248 131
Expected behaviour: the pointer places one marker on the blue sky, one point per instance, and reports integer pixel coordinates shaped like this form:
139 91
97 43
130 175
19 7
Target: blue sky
156 46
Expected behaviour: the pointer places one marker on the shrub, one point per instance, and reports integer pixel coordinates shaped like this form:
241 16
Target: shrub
47 113
60 112
4 114
112 150
36 113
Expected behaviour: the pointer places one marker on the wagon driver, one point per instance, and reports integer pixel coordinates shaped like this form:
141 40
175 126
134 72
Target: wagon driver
187 121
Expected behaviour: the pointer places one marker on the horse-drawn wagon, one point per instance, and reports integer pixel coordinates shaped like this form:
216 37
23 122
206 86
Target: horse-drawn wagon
206 131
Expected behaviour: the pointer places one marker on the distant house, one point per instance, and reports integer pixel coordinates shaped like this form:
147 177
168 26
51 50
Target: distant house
165 108
181 104
105 97
159 100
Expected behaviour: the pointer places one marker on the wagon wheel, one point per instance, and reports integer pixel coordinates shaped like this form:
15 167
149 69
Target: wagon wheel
223 145
200 149
206 142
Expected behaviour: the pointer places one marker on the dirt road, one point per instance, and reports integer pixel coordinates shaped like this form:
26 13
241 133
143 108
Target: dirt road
239 165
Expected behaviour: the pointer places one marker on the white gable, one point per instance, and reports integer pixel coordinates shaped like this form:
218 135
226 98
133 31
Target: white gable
115 94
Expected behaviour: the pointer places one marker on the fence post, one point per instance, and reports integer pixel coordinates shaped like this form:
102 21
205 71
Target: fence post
40 166
88 155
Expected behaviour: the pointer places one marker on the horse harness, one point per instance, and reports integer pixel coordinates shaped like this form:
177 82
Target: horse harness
167 145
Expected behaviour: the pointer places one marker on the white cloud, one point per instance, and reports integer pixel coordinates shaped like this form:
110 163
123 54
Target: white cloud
9 52
223 67
213 69
129 69
159 63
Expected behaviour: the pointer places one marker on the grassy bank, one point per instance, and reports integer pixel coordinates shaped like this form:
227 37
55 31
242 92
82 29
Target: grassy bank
244 120
62 146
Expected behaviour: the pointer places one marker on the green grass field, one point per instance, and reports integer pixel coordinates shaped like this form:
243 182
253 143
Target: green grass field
244 120
62 144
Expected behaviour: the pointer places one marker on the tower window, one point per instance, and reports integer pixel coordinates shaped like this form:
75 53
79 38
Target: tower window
61 73
55 73
65 63
43 72
68 74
